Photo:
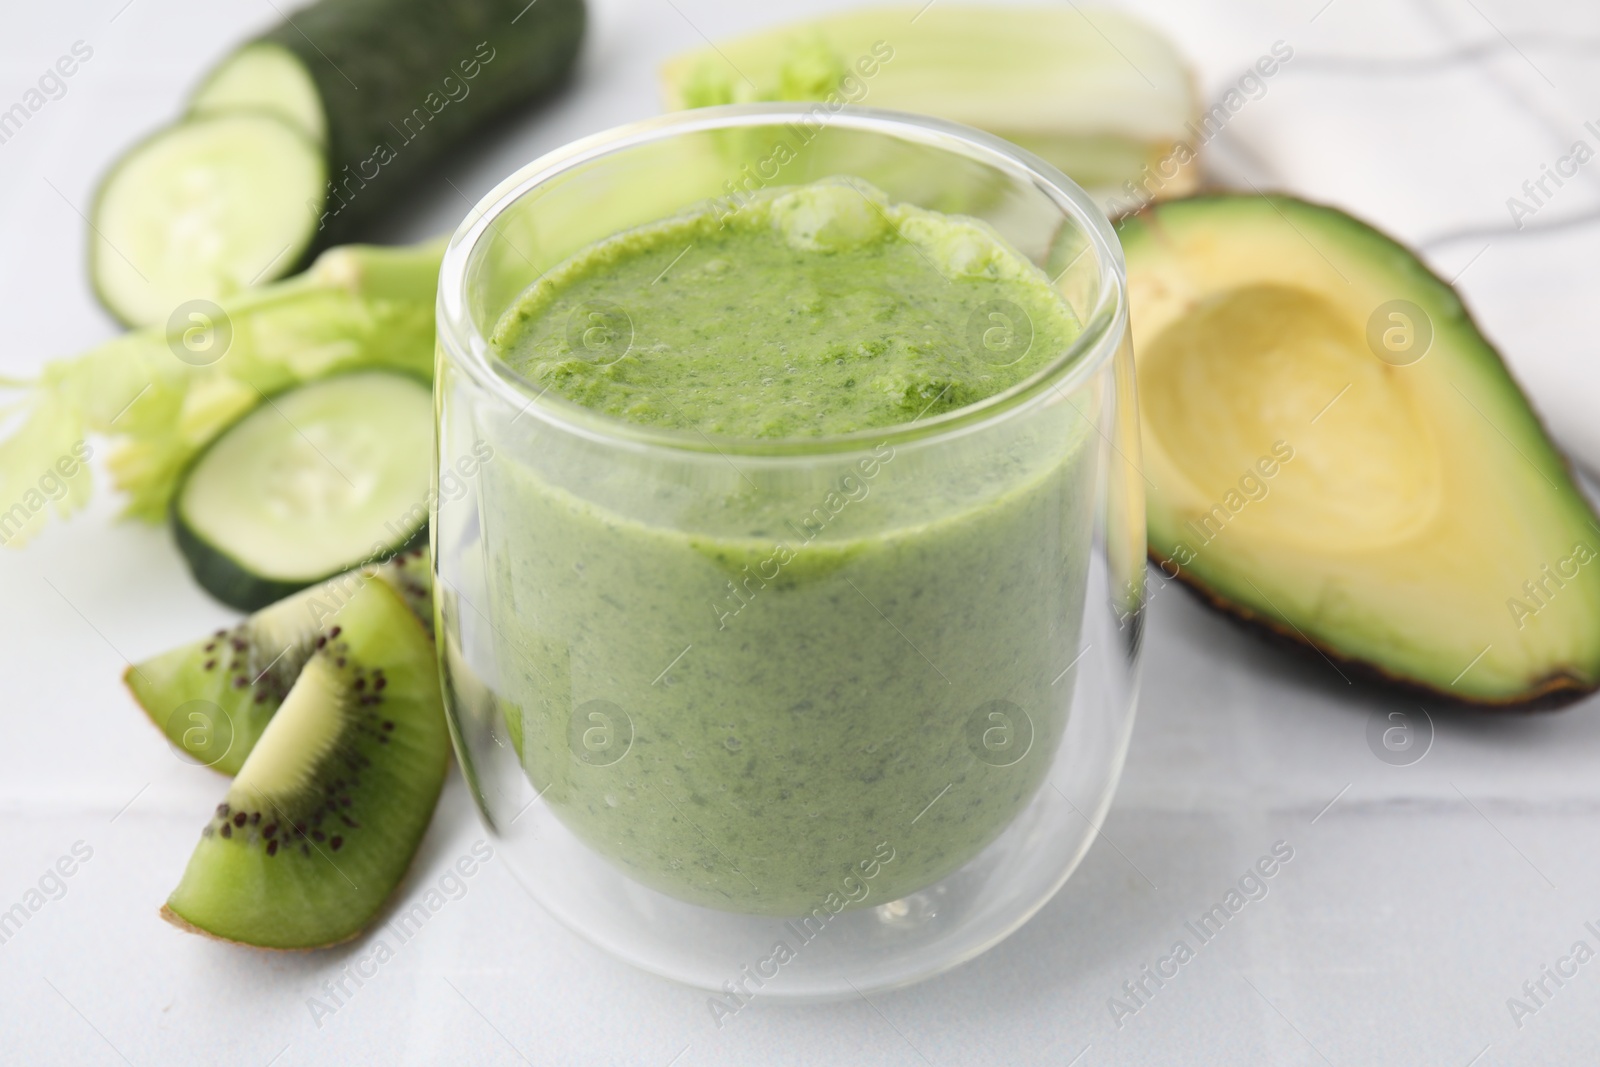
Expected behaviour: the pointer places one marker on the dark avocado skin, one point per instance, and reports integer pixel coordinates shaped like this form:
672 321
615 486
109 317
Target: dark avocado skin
1551 693
1548 694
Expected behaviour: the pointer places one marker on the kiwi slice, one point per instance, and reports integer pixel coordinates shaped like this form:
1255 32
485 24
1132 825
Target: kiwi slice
214 697
321 822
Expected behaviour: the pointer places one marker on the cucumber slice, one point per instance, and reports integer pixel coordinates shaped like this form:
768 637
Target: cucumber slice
201 210
213 697
264 77
310 484
379 89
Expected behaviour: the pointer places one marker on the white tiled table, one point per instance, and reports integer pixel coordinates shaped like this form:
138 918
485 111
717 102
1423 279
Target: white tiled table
1414 906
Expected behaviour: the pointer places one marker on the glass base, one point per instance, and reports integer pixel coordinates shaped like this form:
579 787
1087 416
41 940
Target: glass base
869 946
820 956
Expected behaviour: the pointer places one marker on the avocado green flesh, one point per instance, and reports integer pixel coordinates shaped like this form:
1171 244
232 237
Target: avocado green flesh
324 817
214 697
1355 473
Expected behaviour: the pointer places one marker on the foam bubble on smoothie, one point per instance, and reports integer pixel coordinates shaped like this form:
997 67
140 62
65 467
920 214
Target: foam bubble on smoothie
959 247
811 310
830 216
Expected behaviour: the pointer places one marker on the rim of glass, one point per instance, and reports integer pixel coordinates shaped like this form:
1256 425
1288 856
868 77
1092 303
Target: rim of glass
469 350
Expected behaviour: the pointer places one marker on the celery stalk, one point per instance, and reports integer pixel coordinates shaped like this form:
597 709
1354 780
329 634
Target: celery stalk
357 306
1097 93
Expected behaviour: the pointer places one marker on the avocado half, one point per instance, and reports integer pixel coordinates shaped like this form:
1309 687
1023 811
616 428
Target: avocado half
1336 454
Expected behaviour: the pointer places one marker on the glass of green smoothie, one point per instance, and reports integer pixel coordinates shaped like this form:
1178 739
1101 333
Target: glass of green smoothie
789 540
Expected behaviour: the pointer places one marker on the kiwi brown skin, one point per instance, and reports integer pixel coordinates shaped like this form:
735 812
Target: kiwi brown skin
188 927
1551 693
379 917
381 914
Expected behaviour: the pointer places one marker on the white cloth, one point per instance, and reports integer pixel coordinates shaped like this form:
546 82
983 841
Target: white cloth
1426 119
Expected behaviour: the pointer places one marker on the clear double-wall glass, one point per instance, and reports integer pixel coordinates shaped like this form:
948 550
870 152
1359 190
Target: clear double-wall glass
788 719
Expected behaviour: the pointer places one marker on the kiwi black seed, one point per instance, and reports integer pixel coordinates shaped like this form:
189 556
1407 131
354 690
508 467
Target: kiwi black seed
214 698
325 814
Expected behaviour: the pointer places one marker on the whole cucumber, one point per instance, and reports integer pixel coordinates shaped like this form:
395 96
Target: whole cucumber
403 82
302 136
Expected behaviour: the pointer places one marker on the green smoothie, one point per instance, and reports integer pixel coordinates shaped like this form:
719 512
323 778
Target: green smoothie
817 310
778 688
